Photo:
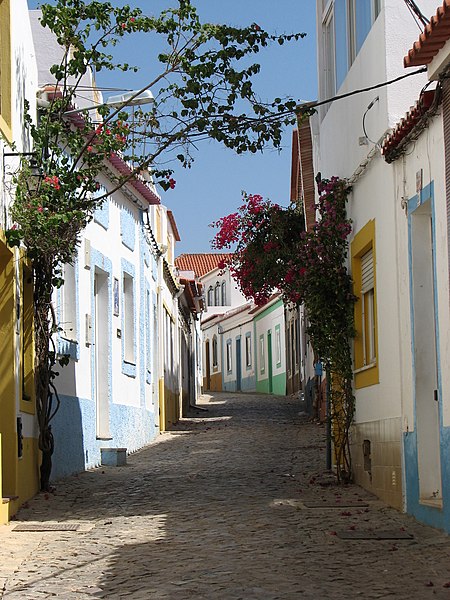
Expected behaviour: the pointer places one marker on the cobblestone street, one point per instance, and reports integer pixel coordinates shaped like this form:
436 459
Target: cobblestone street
230 505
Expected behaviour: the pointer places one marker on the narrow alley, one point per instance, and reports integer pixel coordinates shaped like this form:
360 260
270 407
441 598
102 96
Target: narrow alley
234 503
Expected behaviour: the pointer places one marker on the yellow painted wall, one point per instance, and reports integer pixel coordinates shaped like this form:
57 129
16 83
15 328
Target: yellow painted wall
8 460
5 70
19 477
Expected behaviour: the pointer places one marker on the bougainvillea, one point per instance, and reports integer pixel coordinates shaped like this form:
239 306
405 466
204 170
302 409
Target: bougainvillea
202 87
273 250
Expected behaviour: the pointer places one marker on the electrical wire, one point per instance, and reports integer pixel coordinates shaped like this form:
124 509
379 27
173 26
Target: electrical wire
417 13
306 107
364 119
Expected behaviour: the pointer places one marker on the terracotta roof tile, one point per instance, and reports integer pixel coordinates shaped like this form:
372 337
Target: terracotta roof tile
201 264
406 125
433 38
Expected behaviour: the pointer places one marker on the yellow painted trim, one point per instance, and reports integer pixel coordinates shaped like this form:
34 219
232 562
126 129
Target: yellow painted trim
27 387
8 460
162 407
363 241
5 70
168 310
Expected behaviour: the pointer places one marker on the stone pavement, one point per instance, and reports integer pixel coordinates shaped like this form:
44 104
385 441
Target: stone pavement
230 505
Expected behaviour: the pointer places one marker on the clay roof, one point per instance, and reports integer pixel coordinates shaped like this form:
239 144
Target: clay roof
201 264
392 142
173 225
136 181
432 39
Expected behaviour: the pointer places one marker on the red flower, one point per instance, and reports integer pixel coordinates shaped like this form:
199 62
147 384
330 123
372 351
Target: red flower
172 183
40 209
89 148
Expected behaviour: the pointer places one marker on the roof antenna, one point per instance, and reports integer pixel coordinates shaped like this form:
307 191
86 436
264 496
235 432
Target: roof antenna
416 12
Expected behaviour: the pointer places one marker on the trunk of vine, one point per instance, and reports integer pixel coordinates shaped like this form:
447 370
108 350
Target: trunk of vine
44 362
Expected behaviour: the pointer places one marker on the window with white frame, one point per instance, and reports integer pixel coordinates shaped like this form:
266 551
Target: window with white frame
217 294
229 357
210 296
248 350
129 341
68 314
262 364
224 293
345 26
278 345
214 351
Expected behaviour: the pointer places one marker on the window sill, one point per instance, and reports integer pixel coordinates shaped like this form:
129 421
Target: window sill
365 368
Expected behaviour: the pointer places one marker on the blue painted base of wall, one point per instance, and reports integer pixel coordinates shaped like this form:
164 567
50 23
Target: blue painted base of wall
248 384
74 431
436 517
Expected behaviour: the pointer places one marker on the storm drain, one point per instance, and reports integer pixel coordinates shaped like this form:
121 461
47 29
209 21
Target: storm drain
321 505
47 527
374 535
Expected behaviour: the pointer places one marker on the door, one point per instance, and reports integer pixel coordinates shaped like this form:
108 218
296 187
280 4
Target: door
425 365
101 353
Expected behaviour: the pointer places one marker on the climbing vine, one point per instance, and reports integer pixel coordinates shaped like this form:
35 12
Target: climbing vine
202 88
271 249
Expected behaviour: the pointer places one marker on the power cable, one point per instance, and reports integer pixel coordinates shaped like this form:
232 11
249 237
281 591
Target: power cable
305 107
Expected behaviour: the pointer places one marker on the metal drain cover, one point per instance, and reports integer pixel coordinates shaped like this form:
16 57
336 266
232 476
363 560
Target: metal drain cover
335 505
374 535
46 527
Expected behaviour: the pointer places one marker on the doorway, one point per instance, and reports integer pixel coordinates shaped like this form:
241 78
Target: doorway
101 353
208 366
425 353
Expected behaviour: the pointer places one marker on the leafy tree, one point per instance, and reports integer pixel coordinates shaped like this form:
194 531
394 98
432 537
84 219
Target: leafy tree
271 250
203 89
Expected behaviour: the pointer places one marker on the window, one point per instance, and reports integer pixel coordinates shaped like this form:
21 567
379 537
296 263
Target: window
229 357
217 294
278 345
68 321
210 296
224 293
5 70
345 26
248 350
214 351
262 363
148 343
364 278
129 341
27 336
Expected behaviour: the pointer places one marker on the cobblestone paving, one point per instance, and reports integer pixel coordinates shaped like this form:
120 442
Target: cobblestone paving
230 505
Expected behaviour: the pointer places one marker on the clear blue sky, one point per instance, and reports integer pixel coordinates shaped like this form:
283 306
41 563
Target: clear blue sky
212 187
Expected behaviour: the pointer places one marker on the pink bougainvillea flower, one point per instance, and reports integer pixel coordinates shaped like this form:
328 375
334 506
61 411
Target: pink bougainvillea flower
40 209
89 148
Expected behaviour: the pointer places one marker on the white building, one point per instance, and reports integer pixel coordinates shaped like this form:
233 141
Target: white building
361 44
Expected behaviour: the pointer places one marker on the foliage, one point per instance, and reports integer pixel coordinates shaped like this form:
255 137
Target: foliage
273 250
201 91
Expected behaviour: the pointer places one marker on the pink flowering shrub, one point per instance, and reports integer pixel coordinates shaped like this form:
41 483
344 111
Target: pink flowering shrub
272 250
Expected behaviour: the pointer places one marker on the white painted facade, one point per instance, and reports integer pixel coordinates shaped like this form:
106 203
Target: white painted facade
221 291
374 204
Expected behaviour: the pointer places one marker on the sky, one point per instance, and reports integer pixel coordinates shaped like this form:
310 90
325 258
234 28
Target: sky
212 187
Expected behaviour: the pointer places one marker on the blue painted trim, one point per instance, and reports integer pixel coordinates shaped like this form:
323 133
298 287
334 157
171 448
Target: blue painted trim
127 367
229 345
64 345
435 517
127 228
103 263
101 214
248 336
74 429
